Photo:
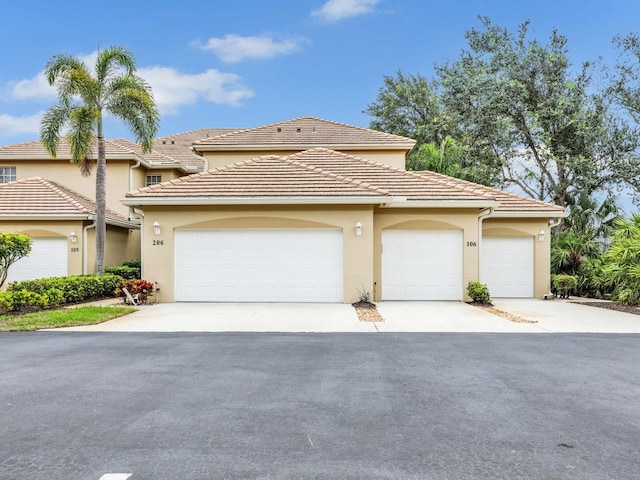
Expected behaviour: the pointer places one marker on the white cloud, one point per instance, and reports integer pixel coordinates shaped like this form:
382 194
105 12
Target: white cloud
28 125
233 48
336 10
172 89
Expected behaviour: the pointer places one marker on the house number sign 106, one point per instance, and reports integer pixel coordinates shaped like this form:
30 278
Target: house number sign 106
158 242
472 244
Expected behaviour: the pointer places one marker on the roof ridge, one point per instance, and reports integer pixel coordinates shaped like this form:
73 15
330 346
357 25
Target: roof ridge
67 193
194 131
342 178
308 117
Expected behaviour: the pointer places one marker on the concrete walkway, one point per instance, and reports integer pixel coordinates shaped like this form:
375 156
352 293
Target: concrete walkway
550 316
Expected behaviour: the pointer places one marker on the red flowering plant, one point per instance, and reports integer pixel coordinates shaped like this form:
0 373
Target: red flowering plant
135 286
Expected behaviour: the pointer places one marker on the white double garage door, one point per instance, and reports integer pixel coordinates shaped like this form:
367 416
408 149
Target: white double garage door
306 265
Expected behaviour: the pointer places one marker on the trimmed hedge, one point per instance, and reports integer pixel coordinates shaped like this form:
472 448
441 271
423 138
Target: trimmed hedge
129 273
74 289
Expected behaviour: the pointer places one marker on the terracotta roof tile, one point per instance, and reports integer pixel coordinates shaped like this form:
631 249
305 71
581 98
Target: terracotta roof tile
269 176
324 172
37 196
178 146
308 131
509 202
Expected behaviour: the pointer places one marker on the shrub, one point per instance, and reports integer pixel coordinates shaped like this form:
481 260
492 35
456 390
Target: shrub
563 285
124 272
22 301
142 287
133 263
72 289
479 293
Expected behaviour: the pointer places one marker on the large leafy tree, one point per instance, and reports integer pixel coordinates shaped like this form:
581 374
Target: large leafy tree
85 97
522 102
518 106
411 106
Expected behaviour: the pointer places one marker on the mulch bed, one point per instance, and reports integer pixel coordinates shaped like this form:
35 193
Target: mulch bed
612 306
367 312
502 313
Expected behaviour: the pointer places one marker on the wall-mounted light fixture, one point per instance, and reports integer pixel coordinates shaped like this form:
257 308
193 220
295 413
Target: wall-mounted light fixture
156 228
73 237
541 236
358 229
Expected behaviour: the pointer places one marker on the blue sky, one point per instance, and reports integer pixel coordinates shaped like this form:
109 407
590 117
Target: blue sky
244 63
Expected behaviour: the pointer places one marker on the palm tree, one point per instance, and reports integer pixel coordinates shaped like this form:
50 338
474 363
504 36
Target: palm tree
84 97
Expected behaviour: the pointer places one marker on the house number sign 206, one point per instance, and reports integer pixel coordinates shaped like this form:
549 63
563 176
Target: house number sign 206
158 242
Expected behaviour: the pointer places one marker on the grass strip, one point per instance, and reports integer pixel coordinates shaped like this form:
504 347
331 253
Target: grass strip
64 317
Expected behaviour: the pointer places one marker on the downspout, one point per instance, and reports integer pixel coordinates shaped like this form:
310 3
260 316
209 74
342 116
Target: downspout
140 215
85 244
552 224
137 165
205 160
485 213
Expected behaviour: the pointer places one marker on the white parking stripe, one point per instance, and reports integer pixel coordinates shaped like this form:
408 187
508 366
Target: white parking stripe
115 476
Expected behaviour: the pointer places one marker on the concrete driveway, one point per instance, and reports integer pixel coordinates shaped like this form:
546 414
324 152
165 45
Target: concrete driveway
549 315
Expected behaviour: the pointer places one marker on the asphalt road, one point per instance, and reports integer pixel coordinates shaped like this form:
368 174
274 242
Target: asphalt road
319 406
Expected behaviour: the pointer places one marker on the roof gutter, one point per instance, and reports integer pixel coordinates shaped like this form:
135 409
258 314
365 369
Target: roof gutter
524 213
441 204
288 200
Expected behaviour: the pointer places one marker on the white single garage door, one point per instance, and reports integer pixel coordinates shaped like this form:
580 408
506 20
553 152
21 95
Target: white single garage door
258 265
422 265
506 266
48 258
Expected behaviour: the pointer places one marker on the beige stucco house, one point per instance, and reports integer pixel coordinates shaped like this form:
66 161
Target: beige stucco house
315 211
304 210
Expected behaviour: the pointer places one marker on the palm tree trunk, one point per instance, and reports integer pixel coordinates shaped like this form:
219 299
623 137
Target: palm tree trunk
101 200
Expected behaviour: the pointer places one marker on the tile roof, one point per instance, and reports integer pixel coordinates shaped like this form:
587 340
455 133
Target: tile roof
321 172
308 131
118 147
398 183
318 172
37 196
268 176
178 146
509 202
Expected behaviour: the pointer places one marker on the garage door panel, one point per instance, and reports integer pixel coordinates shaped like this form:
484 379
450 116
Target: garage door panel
422 265
259 265
48 258
507 266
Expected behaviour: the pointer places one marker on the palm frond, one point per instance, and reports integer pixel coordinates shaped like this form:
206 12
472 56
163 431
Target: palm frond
113 60
52 123
81 121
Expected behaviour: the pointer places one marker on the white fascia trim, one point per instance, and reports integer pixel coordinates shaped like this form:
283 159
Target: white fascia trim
132 202
45 216
59 217
515 214
441 204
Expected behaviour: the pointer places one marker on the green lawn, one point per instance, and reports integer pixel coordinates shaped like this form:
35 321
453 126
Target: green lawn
65 317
